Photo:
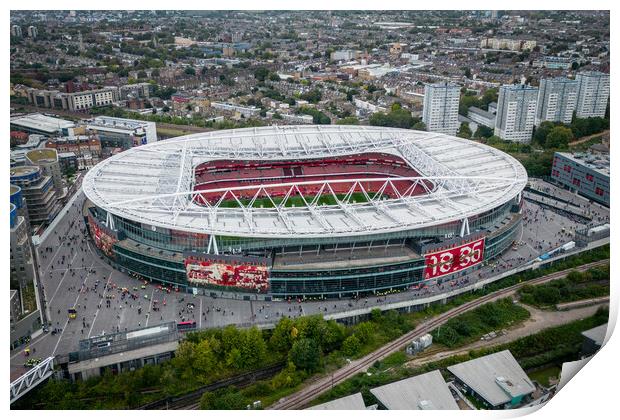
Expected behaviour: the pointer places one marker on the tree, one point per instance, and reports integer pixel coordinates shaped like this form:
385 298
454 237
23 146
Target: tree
190 71
351 345
464 131
253 348
306 354
483 132
261 74
364 331
541 132
558 138
205 360
281 338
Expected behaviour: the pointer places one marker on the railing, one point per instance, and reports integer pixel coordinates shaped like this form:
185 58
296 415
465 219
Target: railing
31 379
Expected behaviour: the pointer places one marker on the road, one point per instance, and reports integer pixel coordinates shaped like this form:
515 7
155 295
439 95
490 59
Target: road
82 285
303 397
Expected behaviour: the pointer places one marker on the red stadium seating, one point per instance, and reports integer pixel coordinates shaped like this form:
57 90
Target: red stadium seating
231 173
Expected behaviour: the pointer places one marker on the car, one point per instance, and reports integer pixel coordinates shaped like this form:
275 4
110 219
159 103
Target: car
143 287
146 296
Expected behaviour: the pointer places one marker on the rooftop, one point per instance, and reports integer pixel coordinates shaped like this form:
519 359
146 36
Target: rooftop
596 334
42 155
23 170
422 392
598 162
497 377
152 184
350 402
42 122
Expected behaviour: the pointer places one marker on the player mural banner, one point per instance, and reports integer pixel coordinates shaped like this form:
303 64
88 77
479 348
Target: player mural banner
228 270
452 260
104 240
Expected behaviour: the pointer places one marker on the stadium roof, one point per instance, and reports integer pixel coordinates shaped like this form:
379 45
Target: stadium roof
350 402
423 392
153 184
497 377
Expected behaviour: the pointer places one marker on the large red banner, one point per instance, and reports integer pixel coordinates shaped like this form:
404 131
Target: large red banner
452 260
241 274
103 241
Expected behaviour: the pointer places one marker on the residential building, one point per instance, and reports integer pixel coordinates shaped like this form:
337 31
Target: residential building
22 262
593 94
516 112
38 190
585 173
482 117
33 32
75 101
441 107
47 160
86 148
557 99
16 31
244 111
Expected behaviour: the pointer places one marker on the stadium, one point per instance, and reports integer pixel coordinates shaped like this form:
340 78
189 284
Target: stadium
304 211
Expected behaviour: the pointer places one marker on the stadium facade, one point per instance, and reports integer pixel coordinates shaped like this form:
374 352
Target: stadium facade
306 211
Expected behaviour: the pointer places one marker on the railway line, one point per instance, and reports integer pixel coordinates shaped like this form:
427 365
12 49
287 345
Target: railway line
303 397
191 401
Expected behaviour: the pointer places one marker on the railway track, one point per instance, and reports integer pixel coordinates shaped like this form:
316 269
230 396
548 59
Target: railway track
305 396
191 401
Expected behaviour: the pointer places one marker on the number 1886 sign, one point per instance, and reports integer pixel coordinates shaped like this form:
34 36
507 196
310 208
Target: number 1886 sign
449 261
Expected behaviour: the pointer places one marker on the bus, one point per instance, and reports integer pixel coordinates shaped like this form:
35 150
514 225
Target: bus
72 313
186 326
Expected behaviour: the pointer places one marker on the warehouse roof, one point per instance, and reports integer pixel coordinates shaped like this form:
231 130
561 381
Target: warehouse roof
497 377
351 402
596 334
423 392
41 123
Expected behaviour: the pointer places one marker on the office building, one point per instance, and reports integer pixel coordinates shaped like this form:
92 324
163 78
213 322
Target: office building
441 108
122 133
516 112
496 380
585 173
593 94
557 99
39 193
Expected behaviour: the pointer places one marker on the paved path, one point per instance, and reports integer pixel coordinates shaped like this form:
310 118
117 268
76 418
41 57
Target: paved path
538 321
542 231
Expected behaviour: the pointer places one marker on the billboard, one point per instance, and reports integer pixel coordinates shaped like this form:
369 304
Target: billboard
103 240
229 271
452 260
